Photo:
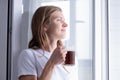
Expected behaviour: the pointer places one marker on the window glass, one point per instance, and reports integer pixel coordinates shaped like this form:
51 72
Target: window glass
77 15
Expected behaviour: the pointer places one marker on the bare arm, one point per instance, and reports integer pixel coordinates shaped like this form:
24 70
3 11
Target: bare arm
57 57
46 75
47 72
27 77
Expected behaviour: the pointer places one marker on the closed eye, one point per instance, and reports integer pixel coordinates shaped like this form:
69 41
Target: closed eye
60 19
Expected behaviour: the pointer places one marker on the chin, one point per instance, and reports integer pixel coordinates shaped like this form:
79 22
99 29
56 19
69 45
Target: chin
63 37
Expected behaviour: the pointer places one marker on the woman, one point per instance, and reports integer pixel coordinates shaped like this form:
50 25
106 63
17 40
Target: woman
44 58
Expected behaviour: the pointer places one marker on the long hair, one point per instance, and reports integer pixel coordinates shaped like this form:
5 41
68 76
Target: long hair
40 18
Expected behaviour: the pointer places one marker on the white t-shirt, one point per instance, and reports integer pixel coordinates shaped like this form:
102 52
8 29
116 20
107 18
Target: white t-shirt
32 62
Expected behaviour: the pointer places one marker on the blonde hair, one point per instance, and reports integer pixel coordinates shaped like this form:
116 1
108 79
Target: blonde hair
40 18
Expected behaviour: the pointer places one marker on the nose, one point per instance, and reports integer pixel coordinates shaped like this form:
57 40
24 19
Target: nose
65 24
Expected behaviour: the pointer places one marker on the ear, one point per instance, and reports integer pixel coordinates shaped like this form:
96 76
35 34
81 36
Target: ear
45 27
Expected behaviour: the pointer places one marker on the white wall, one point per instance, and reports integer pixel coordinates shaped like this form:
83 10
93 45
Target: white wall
19 35
3 38
114 37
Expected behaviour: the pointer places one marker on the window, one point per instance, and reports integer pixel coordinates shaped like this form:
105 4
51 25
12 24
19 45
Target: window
78 16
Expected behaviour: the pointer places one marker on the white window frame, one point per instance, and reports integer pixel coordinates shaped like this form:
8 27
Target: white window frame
101 40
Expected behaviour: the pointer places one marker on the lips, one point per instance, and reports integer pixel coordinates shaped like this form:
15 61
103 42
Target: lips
64 30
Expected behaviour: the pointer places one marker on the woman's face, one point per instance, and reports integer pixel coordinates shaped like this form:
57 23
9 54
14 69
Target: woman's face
56 29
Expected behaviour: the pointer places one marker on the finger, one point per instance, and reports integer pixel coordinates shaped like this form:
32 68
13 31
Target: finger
63 47
59 47
64 50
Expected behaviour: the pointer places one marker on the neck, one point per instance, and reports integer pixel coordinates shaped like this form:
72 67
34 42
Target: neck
52 46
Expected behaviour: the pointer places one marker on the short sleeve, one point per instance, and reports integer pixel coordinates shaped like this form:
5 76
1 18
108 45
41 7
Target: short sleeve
26 63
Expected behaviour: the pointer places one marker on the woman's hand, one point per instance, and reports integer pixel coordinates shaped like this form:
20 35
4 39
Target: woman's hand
58 55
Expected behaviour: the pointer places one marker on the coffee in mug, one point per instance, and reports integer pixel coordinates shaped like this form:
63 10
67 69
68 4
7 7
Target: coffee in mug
70 58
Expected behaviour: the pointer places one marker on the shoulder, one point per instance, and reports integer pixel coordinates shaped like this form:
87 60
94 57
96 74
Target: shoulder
30 53
26 52
26 63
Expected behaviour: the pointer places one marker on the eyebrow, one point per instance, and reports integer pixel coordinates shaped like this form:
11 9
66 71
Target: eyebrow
59 17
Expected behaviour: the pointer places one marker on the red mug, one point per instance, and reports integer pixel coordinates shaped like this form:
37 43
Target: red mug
70 58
